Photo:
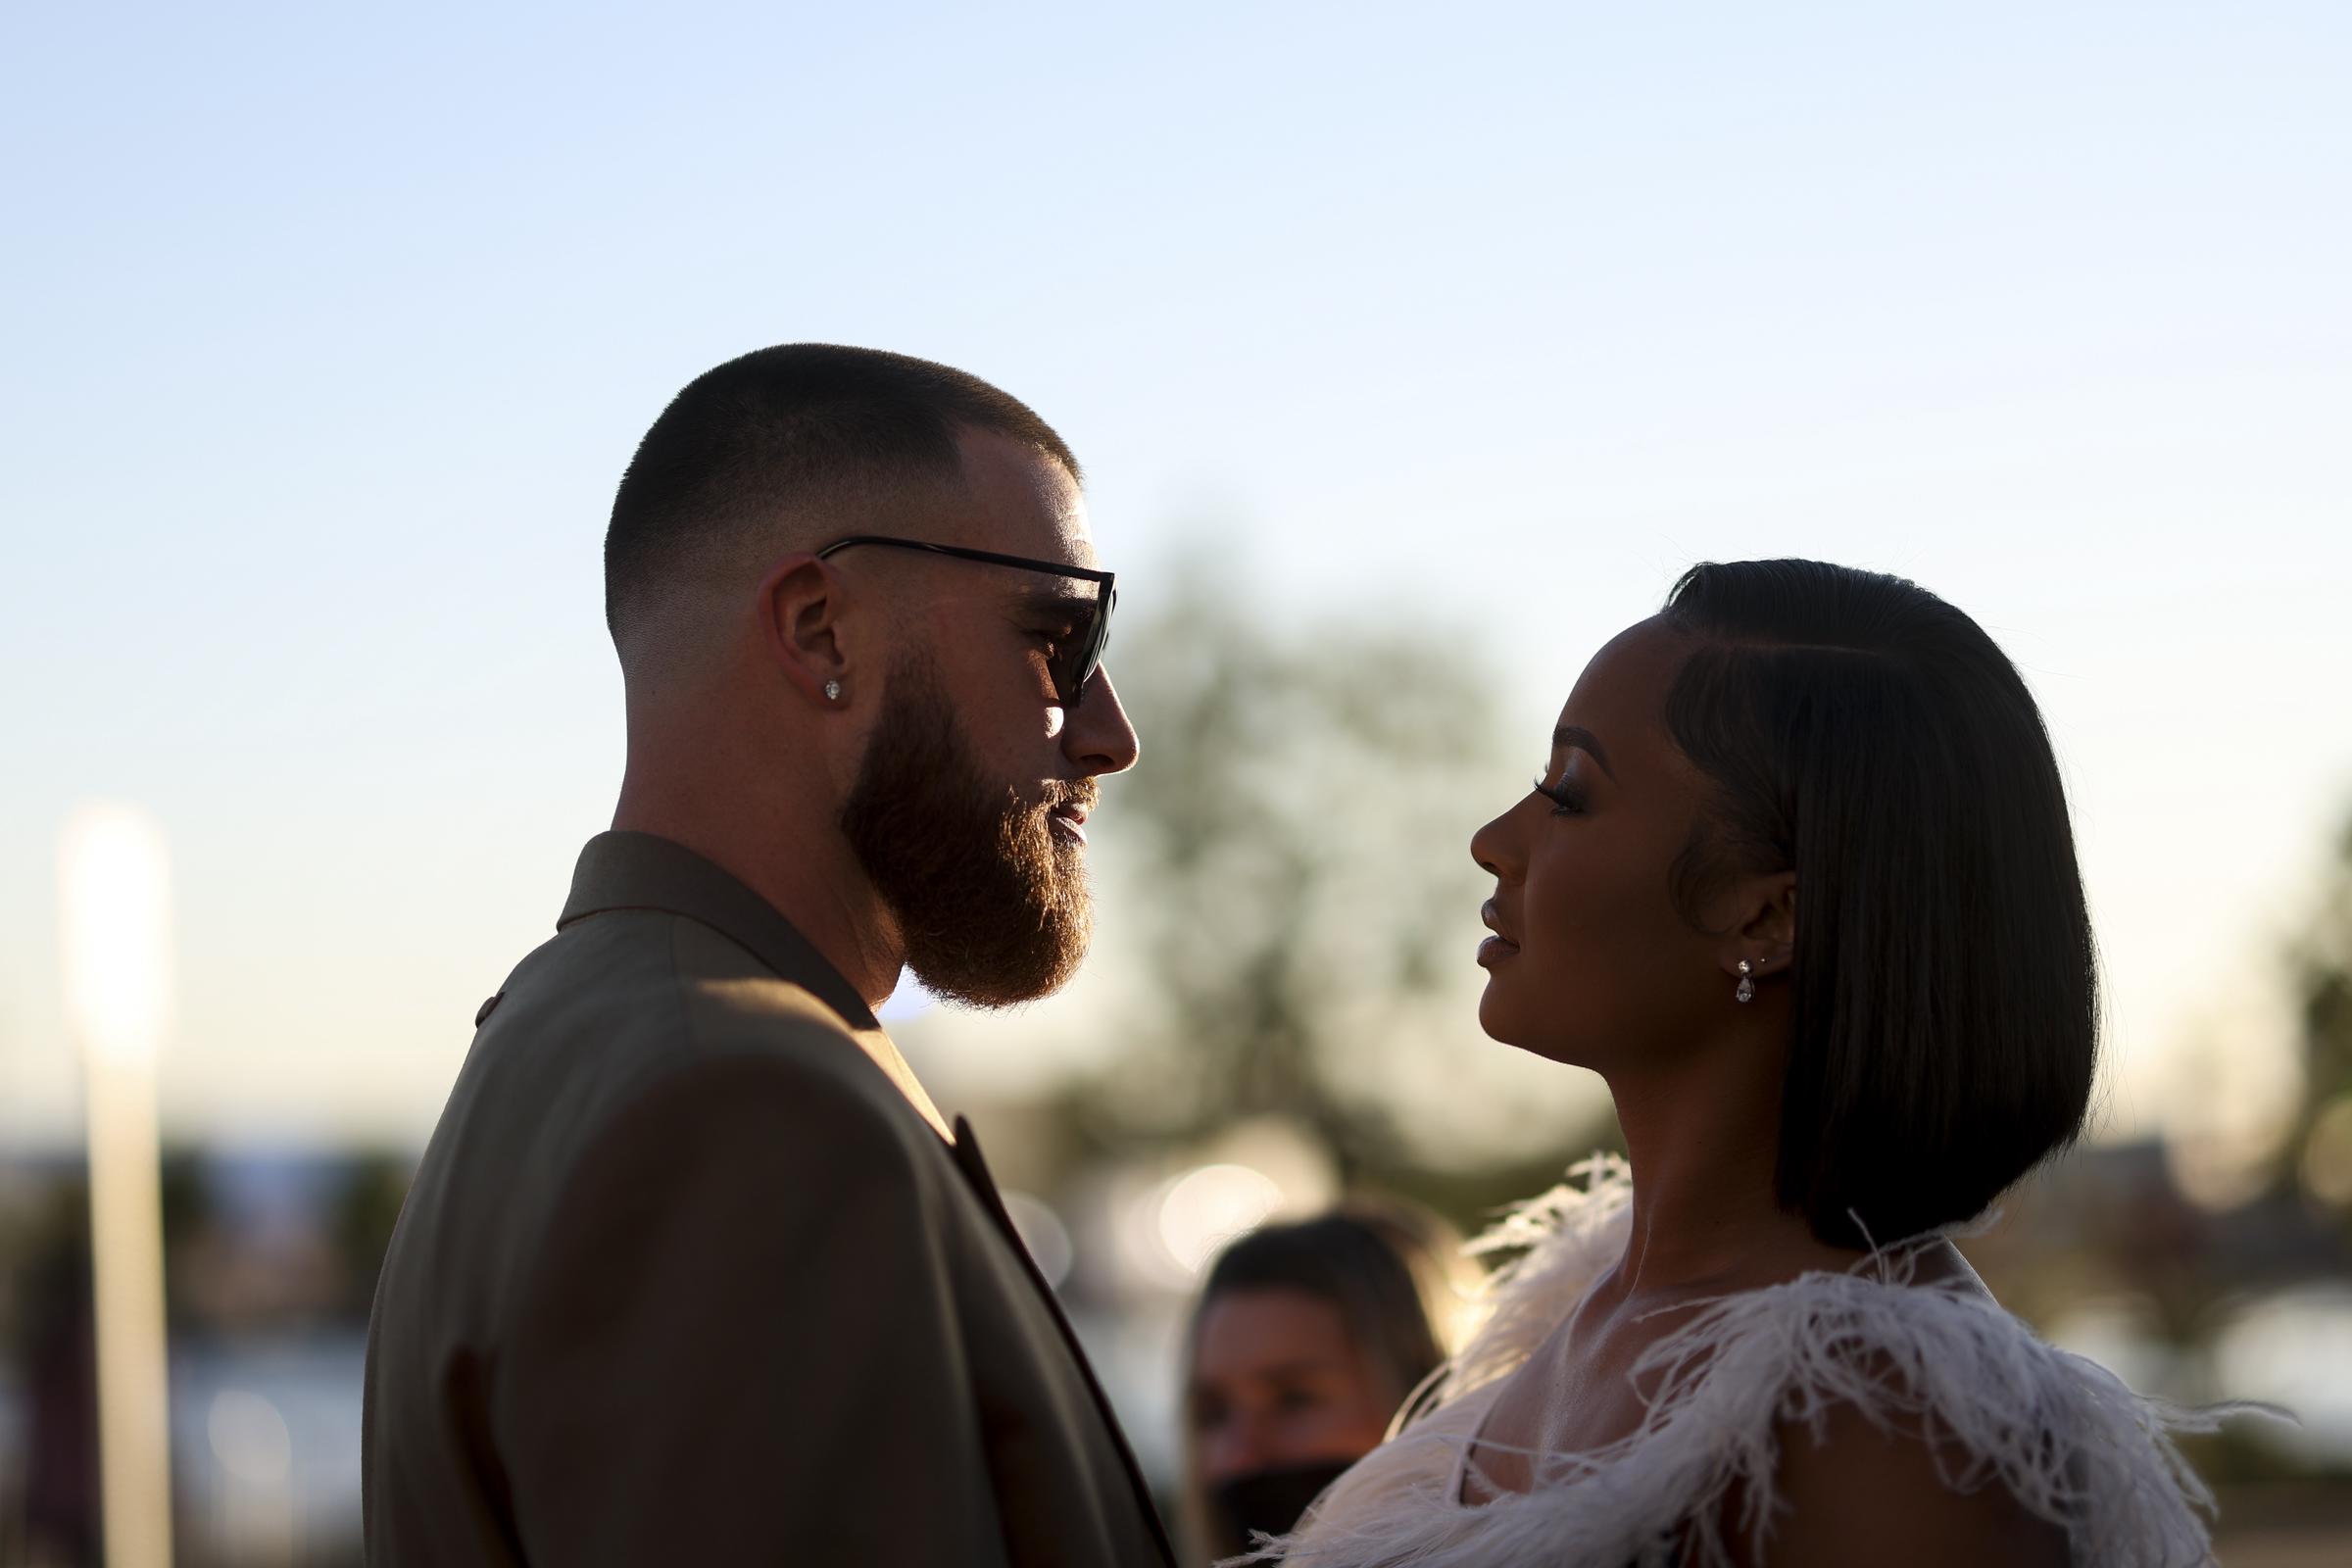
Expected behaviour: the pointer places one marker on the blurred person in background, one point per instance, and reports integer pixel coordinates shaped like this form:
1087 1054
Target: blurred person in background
1305 1343
692 1270
1797 880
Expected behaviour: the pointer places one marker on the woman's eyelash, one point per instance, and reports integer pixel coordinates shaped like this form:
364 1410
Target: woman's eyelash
1564 800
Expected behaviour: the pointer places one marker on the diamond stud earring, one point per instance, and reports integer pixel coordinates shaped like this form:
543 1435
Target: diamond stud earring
832 691
1748 984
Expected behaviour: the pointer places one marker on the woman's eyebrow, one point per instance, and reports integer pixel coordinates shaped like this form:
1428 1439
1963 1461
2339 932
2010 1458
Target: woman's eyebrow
1297 1366
1583 739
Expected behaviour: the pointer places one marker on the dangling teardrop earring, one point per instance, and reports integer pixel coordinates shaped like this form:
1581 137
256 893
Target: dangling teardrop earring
1748 984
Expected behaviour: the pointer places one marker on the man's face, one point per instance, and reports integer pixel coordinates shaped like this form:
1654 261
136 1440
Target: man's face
991 896
970 806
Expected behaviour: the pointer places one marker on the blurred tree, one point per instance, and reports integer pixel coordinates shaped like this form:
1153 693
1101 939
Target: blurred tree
53 1497
365 1208
190 1213
2319 1149
1295 855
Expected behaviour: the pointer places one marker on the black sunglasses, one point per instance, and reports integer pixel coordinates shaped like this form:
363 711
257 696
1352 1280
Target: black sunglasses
1076 658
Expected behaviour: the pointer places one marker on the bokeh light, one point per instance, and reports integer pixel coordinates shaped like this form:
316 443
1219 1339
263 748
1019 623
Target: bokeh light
1041 1232
115 930
248 1438
1203 1209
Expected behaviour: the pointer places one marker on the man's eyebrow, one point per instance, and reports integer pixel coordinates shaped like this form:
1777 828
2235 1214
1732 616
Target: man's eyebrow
1051 601
1584 739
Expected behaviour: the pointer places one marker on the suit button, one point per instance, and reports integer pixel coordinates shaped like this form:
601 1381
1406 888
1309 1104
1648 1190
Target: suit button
486 1007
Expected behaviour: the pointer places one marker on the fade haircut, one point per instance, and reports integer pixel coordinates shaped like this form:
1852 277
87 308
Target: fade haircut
1871 738
800 429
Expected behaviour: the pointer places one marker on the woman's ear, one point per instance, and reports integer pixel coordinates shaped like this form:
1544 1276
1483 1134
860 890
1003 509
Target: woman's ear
1763 929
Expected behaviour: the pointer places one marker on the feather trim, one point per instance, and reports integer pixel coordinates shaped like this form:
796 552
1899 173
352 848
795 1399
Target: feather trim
2069 1440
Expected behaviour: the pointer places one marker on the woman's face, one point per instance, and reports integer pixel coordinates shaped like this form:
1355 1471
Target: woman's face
1277 1381
1591 962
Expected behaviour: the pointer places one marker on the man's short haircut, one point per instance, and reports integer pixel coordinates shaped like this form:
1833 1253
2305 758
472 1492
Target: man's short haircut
1867 736
797 428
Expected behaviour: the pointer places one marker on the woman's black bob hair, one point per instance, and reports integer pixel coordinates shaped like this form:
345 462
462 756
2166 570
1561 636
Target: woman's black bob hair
1866 735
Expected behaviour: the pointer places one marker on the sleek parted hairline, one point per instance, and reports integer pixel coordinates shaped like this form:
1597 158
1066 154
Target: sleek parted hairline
1869 737
797 429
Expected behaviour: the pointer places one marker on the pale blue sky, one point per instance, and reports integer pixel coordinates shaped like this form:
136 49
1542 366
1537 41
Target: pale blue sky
327 336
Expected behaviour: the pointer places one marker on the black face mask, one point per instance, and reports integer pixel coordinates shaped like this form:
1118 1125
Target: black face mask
1271 1501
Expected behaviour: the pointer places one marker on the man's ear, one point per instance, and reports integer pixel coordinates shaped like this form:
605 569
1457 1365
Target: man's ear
1763 927
800 607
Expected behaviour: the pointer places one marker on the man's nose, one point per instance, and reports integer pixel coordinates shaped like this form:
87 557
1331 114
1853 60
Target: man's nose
1099 737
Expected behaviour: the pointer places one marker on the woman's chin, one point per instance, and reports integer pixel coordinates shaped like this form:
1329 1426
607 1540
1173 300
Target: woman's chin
1537 1037
1495 1017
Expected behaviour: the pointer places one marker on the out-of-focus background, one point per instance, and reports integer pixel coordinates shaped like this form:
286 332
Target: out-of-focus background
1413 353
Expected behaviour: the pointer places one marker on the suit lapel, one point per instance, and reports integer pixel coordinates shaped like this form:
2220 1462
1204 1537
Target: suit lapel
969 1160
639 871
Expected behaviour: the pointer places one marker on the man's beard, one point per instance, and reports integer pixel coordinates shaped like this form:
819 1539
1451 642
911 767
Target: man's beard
992 904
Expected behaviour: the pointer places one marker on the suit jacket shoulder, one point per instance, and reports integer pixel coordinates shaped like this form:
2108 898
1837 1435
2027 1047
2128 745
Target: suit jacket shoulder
684 1277
613 1006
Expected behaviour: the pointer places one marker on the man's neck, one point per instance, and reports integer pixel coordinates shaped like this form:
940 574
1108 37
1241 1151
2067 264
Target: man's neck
855 935
807 874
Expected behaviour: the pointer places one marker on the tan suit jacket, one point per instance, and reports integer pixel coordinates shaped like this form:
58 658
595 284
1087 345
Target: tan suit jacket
685 1279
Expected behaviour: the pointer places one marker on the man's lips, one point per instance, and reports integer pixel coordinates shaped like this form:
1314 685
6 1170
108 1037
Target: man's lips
1069 821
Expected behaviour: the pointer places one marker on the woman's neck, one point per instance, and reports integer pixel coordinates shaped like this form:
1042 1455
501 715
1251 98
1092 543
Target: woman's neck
1704 1148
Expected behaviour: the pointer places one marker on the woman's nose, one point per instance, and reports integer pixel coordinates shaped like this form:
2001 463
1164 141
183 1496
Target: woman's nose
1244 1444
1490 846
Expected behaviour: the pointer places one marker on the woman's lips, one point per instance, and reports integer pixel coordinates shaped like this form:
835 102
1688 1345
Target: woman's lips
1497 947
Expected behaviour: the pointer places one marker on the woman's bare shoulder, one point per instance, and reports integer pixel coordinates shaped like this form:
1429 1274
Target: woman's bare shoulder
1854 1488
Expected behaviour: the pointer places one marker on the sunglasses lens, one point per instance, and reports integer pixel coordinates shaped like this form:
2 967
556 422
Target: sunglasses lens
1088 656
